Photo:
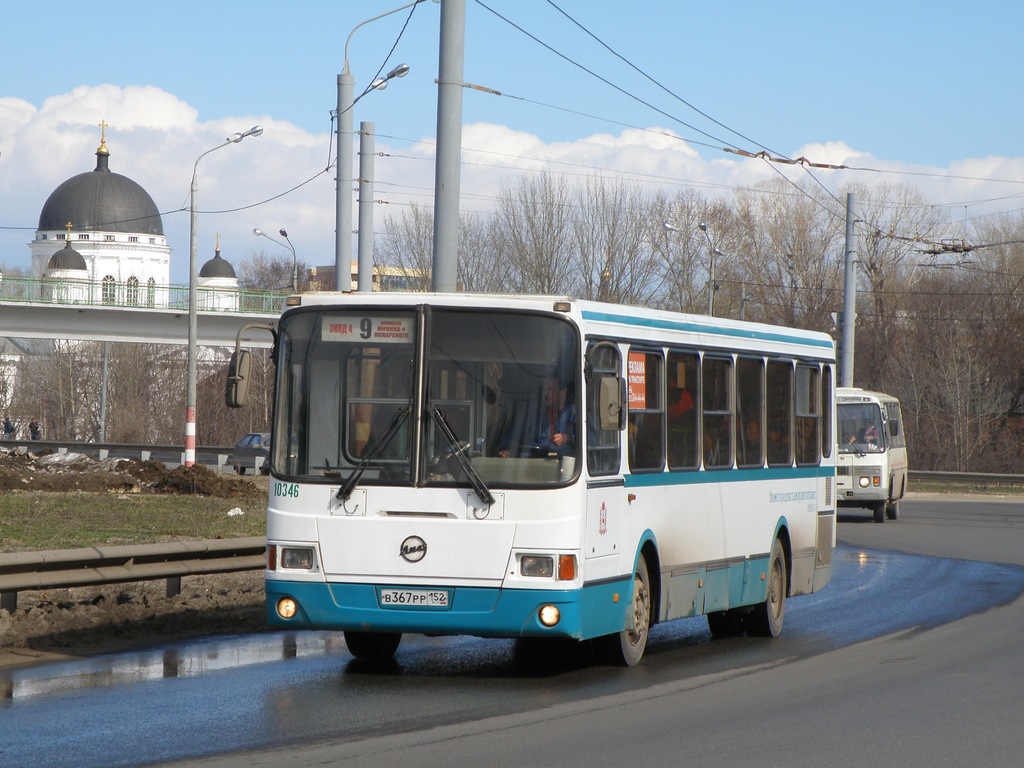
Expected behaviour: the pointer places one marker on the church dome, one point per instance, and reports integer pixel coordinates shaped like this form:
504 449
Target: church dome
67 258
217 267
101 201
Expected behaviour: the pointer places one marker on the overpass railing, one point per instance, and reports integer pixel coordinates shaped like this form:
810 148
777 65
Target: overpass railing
46 290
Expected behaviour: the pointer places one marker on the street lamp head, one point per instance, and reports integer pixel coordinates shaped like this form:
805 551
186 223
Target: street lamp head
702 227
258 232
283 232
379 84
668 226
400 71
236 137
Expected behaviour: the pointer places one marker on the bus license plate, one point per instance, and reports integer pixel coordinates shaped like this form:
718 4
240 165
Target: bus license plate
414 598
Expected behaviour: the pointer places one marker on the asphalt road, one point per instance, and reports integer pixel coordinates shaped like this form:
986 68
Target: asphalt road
912 656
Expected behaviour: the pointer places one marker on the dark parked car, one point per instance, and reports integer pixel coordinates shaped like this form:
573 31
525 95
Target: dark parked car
244 454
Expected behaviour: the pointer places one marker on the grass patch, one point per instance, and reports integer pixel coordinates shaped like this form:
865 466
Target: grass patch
38 520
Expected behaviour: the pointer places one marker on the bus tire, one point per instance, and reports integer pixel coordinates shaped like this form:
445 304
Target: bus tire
374 646
879 511
766 618
626 648
892 511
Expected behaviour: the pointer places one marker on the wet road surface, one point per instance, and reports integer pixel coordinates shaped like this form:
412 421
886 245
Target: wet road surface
246 693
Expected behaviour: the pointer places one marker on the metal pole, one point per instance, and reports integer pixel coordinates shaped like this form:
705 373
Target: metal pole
452 46
849 294
193 333
343 214
711 283
366 151
190 386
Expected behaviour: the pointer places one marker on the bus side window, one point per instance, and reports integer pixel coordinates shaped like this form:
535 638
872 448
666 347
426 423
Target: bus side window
717 398
749 412
646 414
603 446
779 401
808 415
683 387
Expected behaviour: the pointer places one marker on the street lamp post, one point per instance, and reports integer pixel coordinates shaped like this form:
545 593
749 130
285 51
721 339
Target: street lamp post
343 186
190 394
295 273
712 252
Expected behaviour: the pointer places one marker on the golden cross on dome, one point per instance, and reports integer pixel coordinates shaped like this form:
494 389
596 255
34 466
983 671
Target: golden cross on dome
68 237
103 124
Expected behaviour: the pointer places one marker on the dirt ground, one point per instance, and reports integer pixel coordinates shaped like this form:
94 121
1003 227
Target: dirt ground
50 625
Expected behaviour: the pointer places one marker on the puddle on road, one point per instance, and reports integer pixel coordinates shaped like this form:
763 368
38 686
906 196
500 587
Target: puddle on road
186 660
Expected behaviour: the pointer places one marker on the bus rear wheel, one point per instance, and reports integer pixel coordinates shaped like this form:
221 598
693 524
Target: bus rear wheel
766 618
373 646
626 648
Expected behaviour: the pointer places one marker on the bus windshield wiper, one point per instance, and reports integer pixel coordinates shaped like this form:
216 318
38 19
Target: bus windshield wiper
475 480
372 452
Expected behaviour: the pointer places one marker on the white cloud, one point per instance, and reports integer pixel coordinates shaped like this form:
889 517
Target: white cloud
155 138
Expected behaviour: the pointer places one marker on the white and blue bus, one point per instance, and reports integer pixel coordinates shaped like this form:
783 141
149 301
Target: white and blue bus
415 486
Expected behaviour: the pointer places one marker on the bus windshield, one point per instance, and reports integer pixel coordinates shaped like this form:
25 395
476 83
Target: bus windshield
860 428
492 401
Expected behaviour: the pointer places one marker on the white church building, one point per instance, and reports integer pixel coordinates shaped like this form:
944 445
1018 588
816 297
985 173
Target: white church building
100 240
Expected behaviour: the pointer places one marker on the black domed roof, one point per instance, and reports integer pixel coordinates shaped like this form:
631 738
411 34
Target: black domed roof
101 201
67 258
217 267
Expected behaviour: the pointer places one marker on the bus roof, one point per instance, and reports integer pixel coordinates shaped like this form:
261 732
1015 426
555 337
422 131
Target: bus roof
858 395
630 322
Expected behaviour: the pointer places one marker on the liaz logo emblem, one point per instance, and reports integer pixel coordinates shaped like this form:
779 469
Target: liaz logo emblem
413 549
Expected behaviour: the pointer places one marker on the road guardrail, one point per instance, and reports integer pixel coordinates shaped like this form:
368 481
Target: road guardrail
92 566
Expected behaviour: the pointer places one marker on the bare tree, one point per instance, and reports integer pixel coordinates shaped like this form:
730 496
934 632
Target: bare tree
533 231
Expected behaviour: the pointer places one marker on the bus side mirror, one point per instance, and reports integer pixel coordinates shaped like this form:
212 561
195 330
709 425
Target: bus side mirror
239 370
611 397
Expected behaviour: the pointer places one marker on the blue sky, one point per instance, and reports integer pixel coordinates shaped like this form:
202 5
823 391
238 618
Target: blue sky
923 86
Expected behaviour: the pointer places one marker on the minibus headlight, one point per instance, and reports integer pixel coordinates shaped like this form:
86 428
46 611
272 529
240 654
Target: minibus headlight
298 558
537 566
865 482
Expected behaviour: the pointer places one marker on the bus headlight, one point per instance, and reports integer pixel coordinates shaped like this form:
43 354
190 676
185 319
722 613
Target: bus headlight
537 566
549 615
865 482
286 607
298 558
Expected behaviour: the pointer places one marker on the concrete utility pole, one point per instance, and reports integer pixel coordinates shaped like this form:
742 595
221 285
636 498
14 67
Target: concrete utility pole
849 295
448 163
367 129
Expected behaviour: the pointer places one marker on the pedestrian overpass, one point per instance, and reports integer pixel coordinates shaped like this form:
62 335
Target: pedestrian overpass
24 314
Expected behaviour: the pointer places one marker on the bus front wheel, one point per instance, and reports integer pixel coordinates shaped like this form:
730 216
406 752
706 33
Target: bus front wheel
766 618
374 646
626 648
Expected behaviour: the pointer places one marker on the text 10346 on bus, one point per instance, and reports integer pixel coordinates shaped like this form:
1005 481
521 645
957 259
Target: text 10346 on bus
538 467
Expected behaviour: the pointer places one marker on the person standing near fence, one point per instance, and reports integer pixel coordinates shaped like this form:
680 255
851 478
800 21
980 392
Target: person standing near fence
8 428
33 429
